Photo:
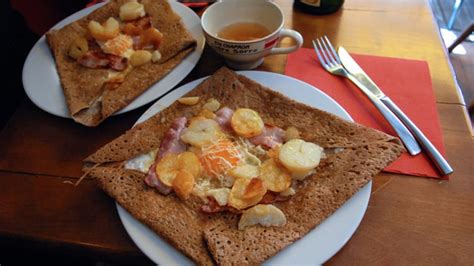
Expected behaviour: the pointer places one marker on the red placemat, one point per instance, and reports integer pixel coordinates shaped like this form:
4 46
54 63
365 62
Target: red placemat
406 82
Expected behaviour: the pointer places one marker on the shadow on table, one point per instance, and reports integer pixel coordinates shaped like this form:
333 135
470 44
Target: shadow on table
19 40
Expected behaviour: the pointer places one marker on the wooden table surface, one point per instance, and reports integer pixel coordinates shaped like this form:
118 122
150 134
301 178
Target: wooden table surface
408 220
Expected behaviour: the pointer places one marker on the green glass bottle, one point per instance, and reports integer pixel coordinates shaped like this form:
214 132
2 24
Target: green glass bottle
318 7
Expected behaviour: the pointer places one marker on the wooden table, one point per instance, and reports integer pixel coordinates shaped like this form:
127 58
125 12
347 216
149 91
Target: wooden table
409 219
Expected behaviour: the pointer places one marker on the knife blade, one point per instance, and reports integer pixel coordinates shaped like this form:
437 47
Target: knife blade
355 70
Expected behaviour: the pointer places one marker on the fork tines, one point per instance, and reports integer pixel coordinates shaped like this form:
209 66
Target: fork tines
325 51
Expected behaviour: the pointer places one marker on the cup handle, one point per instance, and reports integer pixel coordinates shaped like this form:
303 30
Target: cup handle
292 34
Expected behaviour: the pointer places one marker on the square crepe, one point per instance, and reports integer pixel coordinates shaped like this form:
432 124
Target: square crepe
361 154
104 81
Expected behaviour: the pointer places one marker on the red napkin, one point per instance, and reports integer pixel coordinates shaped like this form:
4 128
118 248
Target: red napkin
406 82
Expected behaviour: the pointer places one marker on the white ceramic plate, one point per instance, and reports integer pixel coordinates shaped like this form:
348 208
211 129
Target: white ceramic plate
41 80
313 249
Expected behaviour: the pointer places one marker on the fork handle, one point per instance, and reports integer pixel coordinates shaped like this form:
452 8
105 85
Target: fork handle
433 153
405 135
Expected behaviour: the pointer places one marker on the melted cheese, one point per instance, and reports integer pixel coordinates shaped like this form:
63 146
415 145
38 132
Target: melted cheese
141 162
249 150
127 54
288 192
117 76
221 195
218 158
201 187
155 56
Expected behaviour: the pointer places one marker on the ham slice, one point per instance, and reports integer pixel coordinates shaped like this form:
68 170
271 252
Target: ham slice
171 140
117 62
212 206
271 197
98 59
270 137
94 59
169 143
223 117
153 181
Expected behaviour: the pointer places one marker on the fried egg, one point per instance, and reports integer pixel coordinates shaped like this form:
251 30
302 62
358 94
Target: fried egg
141 162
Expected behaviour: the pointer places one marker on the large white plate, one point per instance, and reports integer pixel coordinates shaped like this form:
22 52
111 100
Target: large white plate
313 249
41 80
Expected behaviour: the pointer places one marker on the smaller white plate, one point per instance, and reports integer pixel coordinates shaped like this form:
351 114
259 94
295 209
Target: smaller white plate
41 79
320 244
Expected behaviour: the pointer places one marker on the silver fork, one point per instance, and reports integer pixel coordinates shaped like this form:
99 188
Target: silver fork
330 61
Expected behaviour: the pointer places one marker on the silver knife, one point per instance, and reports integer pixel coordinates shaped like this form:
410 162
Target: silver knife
354 69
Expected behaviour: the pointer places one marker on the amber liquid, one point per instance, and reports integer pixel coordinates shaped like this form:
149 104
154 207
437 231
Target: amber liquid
243 31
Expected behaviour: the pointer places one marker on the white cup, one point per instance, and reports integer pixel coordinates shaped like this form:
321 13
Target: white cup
247 54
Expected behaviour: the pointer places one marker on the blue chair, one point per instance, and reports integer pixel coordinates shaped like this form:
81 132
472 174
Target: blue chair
454 14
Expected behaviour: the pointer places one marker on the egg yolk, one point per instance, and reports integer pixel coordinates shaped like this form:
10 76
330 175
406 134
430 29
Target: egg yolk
219 157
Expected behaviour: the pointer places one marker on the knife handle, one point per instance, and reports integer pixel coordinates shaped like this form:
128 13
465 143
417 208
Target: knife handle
405 135
433 153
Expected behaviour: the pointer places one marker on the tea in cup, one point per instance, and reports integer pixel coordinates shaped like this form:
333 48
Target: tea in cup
245 31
